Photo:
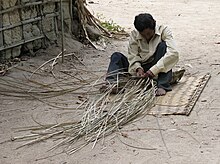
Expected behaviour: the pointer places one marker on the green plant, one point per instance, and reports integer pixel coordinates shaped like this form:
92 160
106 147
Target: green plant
110 25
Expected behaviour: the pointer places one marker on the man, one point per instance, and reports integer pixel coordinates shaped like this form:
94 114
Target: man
151 53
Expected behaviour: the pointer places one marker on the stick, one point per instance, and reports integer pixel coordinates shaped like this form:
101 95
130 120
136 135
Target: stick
136 147
54 62
162 137
62 29
47 63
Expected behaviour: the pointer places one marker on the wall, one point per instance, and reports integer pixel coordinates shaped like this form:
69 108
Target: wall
28 25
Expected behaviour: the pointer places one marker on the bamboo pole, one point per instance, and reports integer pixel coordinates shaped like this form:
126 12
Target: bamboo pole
28 21
20 43
62 29
1 25
71 13
20 23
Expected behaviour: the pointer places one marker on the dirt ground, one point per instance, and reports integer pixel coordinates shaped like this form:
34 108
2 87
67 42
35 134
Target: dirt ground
189 139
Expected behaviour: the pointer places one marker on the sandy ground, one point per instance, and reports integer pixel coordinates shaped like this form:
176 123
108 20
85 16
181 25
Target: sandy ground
193 139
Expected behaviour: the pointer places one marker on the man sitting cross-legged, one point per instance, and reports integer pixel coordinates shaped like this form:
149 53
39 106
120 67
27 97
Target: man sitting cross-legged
151 53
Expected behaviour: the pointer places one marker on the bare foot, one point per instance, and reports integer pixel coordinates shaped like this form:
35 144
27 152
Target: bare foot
160 92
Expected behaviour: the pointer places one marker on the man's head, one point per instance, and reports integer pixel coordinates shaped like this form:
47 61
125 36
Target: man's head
145 24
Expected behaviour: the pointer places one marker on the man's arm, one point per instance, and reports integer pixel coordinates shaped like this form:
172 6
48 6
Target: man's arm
171 57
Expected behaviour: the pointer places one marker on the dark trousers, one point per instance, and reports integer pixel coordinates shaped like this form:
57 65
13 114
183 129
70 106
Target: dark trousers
119 63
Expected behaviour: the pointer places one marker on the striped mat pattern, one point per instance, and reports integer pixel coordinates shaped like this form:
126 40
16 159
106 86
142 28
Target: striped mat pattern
182 98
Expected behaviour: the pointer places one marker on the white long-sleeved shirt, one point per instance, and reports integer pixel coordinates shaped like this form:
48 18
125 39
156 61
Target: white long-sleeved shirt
139 50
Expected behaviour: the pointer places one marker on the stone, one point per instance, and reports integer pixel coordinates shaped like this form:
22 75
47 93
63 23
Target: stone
16 51
25 14
16 34
93 33
35 30
29 46
12 3
6 19
51 36
27 28
37 44
49 8
27 35
5 4
7 54
14 17
48 24
7 37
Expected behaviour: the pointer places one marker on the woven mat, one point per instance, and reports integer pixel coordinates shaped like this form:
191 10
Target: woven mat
182 98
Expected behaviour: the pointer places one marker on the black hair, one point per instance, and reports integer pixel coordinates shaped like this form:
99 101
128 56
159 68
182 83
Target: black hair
144 21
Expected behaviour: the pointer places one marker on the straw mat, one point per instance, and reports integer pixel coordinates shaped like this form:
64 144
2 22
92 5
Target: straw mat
182 98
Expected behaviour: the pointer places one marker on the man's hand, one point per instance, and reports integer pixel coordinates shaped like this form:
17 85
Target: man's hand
140 72
149 74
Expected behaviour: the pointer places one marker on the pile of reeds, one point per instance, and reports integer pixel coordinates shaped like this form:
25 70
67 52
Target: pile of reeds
104 114
35 85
